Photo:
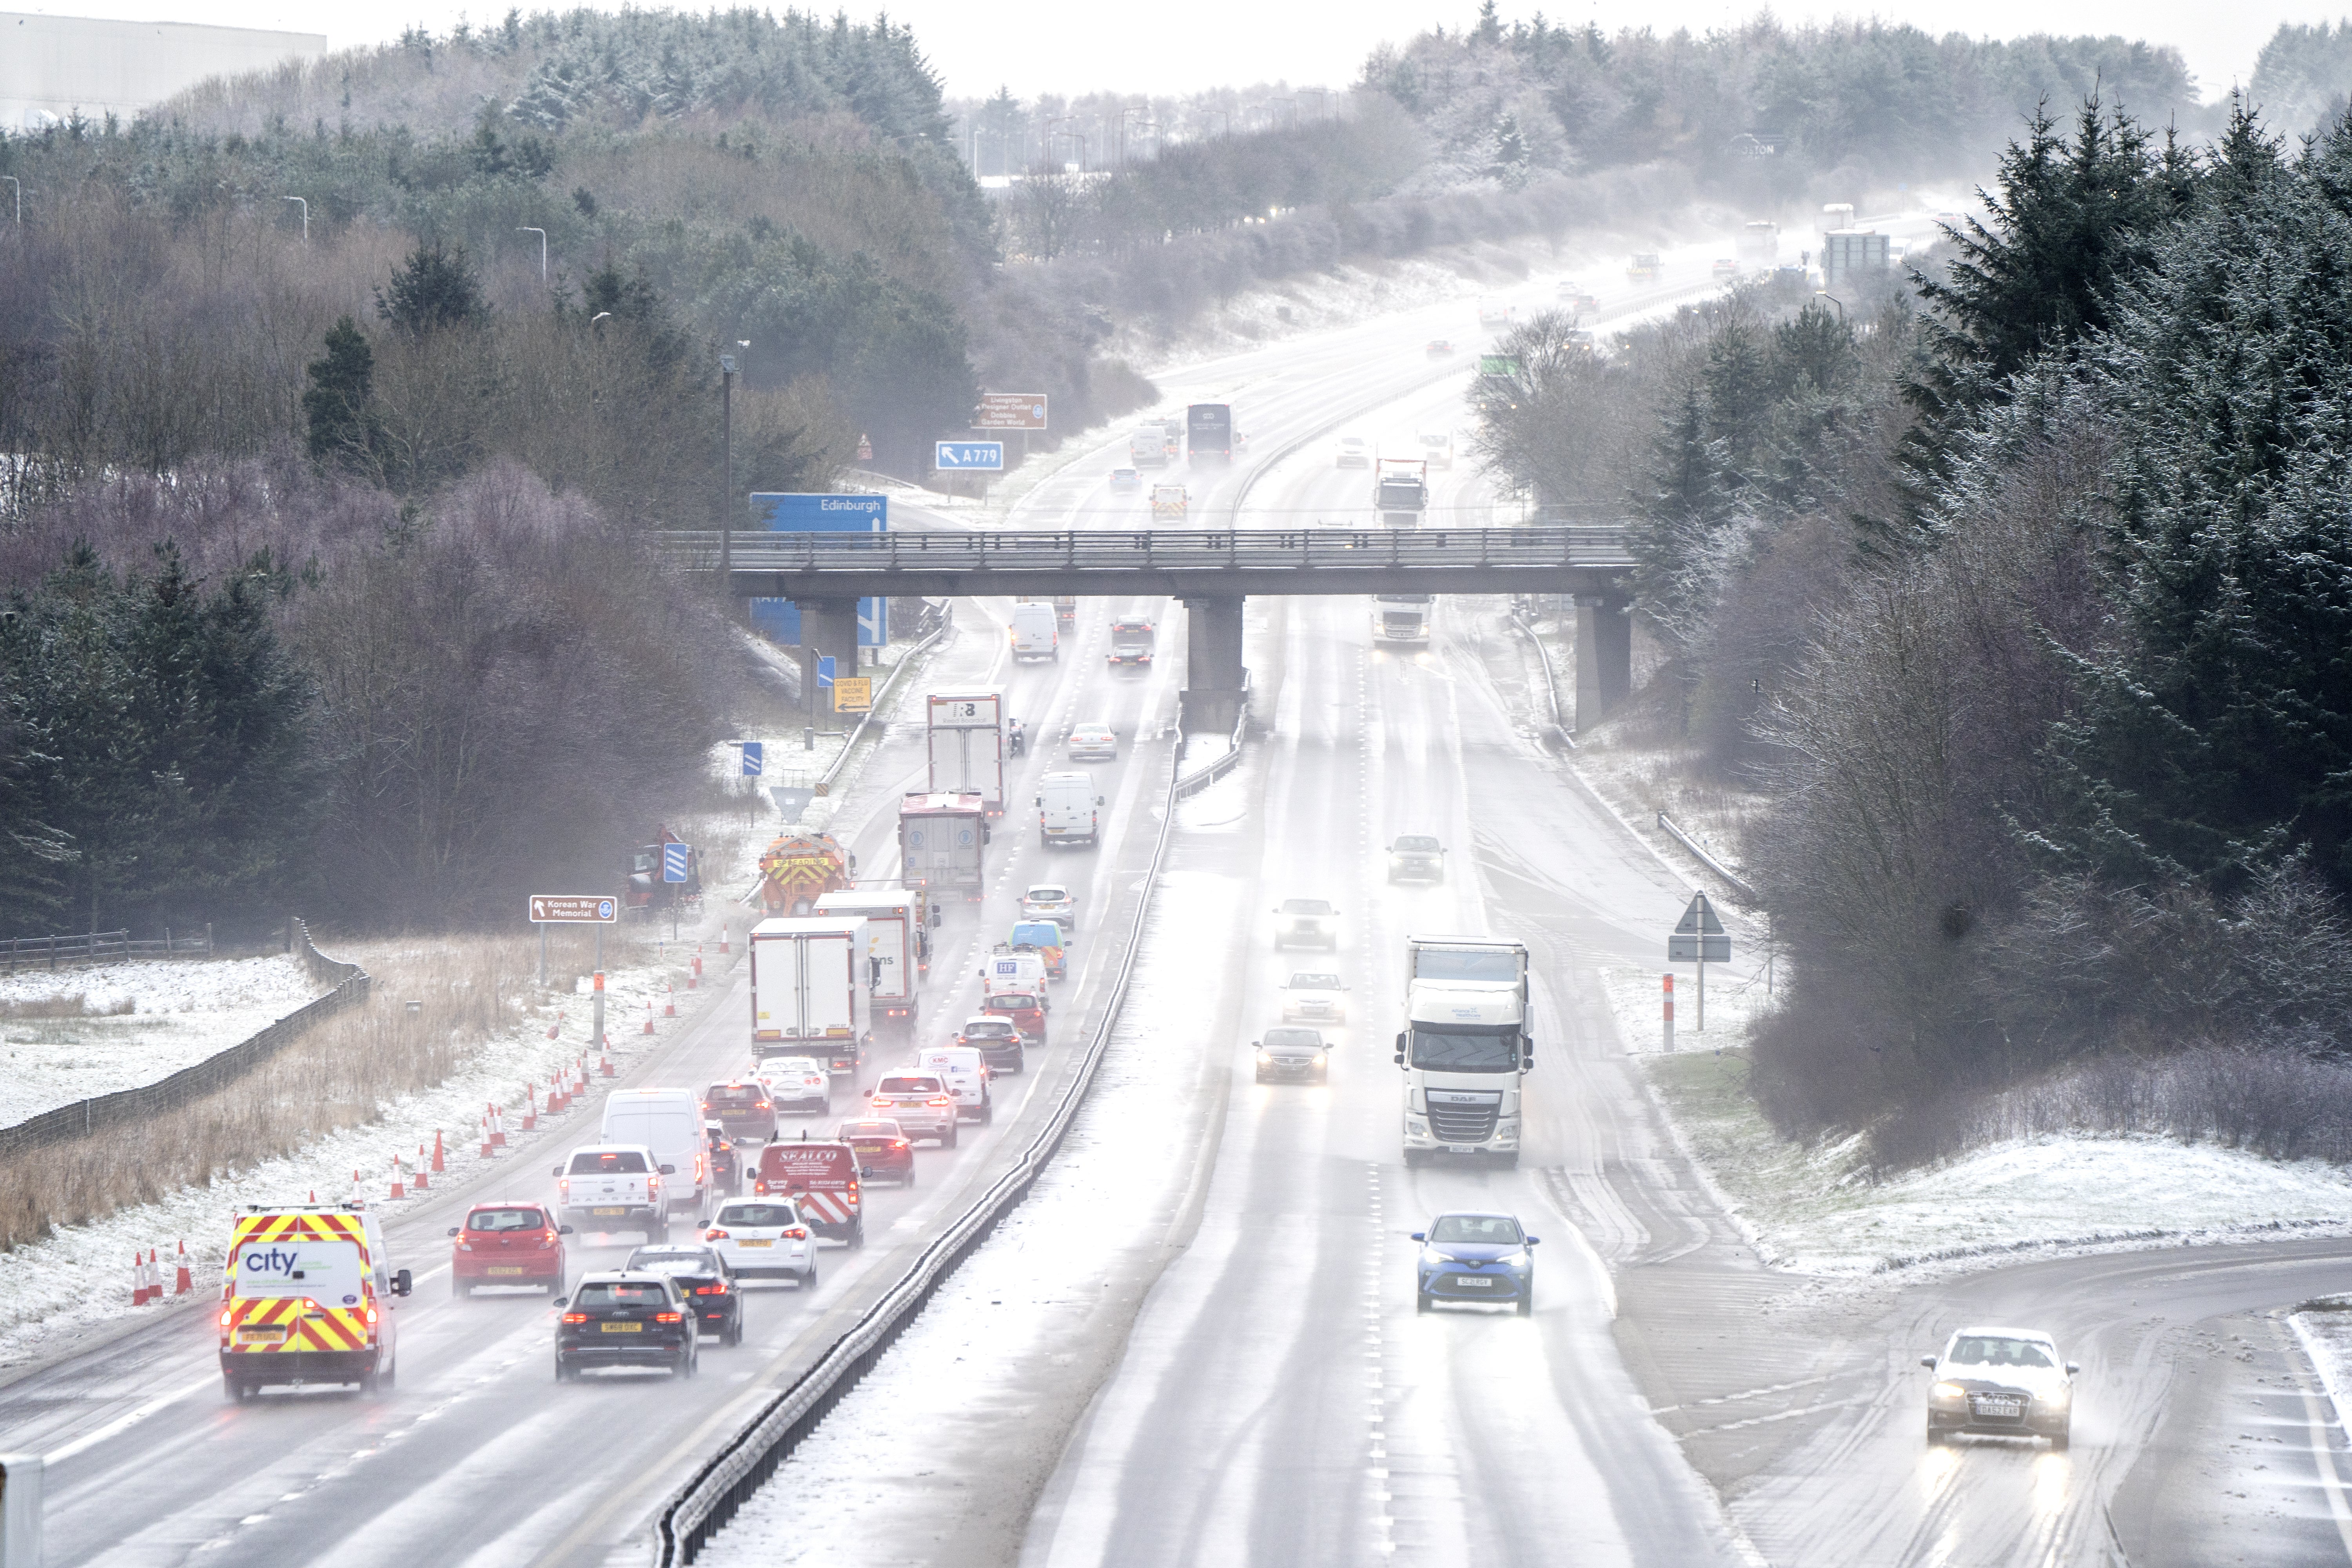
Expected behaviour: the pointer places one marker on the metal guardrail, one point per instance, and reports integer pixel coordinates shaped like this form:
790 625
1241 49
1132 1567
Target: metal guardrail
745 1462
91 1117
102 947
942 618
1559 726
1288 549
1216 768
1712 864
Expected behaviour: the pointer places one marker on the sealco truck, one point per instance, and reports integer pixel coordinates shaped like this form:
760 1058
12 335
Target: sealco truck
898 945
944 843
810 982
1465 1048
966 737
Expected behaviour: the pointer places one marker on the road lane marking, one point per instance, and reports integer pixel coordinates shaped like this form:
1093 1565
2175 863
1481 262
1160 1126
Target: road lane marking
127 1420
2323 1454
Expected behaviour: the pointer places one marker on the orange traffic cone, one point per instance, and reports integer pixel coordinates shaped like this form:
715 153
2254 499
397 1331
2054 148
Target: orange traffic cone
649 1017
669 1008
420 1185
530 1106
399 1187
695 979
607 1060
183 1282
359 1191
722 941
138 1279
485 1135
497 1129
436 1150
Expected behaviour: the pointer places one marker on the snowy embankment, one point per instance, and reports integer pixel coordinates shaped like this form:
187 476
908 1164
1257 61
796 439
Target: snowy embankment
67 1035
1815 1209
874 1481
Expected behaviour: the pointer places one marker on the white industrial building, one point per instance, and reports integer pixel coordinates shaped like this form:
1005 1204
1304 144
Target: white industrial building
51 66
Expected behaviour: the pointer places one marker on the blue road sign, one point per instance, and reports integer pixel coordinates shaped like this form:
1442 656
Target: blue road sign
674 862
873 623
824 670
755 758
977 456
605 908
785 512
781 620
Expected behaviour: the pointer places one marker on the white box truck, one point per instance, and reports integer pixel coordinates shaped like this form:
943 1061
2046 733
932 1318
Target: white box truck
1465 1047
898 945
943 844
810 985
966 737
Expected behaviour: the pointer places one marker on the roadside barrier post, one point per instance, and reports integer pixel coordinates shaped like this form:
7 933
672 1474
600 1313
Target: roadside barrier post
596 989
20 1510
1670 1012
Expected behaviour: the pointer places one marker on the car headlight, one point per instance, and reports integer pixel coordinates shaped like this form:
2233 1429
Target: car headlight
1514 1259
2058 1397
1432 1257
1319 1058
1949 1393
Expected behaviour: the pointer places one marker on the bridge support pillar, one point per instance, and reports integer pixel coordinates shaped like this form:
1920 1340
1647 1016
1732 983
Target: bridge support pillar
1213 694
828 629
1605 657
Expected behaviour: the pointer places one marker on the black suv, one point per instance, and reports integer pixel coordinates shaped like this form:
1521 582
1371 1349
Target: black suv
627 1320
707 1282
744 1108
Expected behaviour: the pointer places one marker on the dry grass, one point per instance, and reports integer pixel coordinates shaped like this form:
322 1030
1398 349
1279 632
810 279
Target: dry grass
74 1005
340 1074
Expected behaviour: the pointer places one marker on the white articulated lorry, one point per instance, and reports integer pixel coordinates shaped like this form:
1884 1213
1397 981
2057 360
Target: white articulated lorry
898 945
811 985
1465 1047
966 737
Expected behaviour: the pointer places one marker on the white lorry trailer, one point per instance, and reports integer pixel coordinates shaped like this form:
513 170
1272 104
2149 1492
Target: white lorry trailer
1465 1048
967 745
810 989
944 843
898 945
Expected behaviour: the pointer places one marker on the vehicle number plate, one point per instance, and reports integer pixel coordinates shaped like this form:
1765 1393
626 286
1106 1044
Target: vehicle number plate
602 1213
1474 1281
2000 1407
755 1244
260 1336
624 1328
505 1270
1461 1148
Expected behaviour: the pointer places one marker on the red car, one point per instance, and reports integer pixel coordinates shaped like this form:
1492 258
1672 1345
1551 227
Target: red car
1026 1011
512 1241
884 1150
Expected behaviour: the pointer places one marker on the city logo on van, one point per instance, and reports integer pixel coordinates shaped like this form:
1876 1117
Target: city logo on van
277 1260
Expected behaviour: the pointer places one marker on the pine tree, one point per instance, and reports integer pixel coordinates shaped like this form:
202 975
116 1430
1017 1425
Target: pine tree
335 405
434 289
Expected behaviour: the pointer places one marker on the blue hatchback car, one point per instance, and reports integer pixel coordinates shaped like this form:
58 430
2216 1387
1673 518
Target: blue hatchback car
1475 1258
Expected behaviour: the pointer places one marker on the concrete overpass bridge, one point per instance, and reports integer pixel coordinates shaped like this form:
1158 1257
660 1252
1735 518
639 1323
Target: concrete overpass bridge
1211 571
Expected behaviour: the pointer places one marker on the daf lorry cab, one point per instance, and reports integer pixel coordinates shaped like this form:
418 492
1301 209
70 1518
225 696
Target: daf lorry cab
1464 1049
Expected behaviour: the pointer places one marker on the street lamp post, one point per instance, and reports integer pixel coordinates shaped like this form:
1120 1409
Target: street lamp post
525 228
1130 109
306 217
1322 101
1294 108
1825 294
726 367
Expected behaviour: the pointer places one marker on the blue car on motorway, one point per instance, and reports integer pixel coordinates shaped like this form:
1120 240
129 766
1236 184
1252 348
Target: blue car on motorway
1475 1258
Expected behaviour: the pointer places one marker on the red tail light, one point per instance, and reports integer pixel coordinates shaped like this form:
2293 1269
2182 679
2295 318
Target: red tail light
563 1186
225 1314
764 1105
714 1233
898 1142
948 1100
796 1233
547 1239
575 1317
717 1289
669 1316
465 1245
760 1187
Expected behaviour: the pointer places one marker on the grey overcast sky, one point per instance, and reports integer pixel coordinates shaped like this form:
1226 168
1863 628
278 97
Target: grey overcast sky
1064 45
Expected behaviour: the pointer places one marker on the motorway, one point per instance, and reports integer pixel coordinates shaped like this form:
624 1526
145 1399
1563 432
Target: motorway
1277 1400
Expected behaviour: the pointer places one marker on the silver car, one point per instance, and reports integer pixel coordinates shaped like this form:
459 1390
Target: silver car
920 1103
1093 743
1051 902
1314 998
1293 1055
1306 922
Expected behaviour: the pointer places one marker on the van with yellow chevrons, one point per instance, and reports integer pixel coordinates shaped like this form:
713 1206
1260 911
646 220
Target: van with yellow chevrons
308 1299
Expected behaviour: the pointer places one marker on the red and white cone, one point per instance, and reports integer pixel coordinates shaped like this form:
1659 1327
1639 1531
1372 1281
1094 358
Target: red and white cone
530 1106
695 979
485 1135
722 941
183 1282
436 1150
359 1188
649 1017
669 1008
399 1187
423 1163
607 1060
138 1279
498 1128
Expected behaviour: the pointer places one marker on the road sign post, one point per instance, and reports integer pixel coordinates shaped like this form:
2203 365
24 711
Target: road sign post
1699 938
598 909
755 758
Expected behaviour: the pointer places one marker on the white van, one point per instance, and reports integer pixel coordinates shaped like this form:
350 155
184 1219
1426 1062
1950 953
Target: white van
1036 634
669 1122
965 1072
1069 809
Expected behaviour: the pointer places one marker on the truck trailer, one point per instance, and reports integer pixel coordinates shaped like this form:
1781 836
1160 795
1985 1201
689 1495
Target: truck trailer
810 989
944 843
898 946
966 741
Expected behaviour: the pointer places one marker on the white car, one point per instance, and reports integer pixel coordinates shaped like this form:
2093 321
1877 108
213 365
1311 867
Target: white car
796 1086
1092 742
1306 922
1354 452
763 1238
920 1103
2009 1383
1051 902
1314 997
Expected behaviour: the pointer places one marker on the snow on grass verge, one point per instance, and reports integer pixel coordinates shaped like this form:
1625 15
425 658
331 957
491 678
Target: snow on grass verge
876 1481
67 1035
1814 1208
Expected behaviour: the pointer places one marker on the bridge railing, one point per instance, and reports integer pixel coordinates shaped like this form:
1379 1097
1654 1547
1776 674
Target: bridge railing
1164 549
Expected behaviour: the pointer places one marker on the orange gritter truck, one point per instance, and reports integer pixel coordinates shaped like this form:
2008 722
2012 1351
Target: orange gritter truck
799 868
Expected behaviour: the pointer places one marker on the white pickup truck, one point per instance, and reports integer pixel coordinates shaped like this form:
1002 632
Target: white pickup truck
614 1186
